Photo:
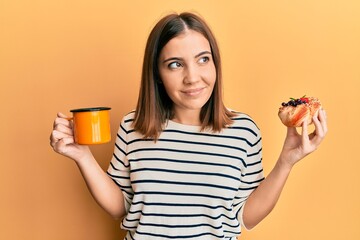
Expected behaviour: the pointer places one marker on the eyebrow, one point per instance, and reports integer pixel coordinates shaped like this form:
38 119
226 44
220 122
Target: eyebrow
196 56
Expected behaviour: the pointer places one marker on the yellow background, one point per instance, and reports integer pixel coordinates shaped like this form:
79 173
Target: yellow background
60 55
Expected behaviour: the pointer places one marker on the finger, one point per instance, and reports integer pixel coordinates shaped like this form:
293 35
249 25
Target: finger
61 146
62 115
319 131
317 123
67 140
63 128
62 119
304 131
57 136
323 120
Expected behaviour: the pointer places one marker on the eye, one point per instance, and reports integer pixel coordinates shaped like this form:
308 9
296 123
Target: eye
204 59
174 65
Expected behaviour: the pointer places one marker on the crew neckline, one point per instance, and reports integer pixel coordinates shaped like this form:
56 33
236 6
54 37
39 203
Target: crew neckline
171 123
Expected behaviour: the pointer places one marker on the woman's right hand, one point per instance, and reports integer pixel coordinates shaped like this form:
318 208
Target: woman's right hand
102 187
62 139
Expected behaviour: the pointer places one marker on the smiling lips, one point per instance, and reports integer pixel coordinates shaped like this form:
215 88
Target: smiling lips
193 92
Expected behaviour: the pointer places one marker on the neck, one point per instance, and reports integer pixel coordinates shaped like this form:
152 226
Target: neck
188 117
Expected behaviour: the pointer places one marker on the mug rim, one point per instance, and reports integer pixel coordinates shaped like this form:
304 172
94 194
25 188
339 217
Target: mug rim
91 109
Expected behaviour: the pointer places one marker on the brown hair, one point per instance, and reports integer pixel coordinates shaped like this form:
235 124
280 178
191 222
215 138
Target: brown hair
154 106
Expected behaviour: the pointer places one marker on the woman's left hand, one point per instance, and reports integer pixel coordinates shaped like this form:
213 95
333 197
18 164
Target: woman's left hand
297 146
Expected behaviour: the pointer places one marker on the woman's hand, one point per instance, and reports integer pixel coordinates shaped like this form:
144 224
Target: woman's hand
62 139
297 146
101 186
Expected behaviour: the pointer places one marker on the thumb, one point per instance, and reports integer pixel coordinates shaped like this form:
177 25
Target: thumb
291 131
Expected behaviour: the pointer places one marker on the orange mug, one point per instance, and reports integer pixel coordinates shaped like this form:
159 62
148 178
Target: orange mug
91 125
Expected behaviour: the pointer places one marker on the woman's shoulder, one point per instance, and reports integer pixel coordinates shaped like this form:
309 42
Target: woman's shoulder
128 119
241 119
129 116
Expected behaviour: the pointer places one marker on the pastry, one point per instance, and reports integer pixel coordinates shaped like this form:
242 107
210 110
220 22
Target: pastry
294 112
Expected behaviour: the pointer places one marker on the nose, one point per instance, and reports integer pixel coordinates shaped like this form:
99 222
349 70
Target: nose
191 75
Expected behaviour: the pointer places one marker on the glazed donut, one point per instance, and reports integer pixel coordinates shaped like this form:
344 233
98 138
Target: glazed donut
294 112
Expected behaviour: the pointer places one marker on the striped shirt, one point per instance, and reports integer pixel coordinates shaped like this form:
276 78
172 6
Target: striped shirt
190 184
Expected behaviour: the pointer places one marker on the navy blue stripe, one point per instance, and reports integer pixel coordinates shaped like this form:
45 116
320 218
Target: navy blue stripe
210 135
130 234
185 172
180 215
244 128
179 236
120 161
184 183
255 163
120 149
180 226
116 176
182 194
233 226
191 152
238 211
237 204
189 142
247 188
132 237
255 153
259 180
252 173
187 226
245 119
258 141
124 187
123 140
128 193
243 198
112 165
232 232
185 161
191 205
128 201
129 120
172 226
203 134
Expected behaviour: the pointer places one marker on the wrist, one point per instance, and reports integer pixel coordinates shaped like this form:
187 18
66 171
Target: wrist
283 165
84 157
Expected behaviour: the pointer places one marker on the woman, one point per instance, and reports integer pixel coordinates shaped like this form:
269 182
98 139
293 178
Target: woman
185 166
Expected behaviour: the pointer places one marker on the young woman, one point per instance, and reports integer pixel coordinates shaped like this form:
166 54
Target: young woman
185 166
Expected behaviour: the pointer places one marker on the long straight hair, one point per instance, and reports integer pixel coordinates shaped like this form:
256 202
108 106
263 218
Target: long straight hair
154 106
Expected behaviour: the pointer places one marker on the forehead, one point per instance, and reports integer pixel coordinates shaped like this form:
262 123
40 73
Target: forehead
189 42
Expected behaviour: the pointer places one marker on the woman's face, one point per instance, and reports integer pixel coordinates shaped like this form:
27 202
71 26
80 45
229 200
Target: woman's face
187 72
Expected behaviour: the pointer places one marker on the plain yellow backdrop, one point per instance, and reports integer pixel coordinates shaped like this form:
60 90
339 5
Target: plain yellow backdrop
60 55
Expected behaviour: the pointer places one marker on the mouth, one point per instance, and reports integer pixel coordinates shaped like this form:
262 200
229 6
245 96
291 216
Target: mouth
193 91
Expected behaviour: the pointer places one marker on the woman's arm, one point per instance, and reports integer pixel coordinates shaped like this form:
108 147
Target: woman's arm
296 146
106 193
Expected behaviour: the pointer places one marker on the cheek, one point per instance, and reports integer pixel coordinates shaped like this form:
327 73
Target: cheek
211 76
170 88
